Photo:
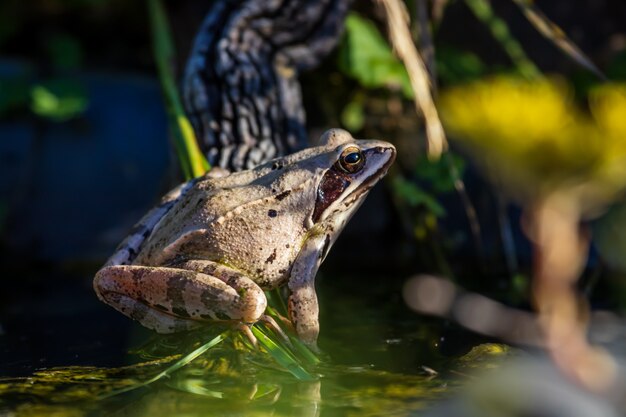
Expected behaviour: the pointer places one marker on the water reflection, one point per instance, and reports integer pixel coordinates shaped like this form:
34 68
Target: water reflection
215 386
375 354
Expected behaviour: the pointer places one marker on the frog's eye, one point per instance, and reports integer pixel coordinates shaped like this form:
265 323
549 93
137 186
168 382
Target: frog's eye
351 160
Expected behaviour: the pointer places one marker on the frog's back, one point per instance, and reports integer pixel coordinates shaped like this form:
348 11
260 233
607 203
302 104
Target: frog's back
146 231
214 204
127 251
208 201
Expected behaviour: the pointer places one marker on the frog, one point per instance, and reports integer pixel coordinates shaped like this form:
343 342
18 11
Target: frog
213 245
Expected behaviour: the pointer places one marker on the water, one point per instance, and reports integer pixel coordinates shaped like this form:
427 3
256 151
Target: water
66 354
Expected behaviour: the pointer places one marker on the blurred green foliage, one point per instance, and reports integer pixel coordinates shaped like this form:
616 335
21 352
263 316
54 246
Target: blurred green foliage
49 36
441 174
353 114
366 56
500 31
431 179
455 66
58 96
58 100
415 196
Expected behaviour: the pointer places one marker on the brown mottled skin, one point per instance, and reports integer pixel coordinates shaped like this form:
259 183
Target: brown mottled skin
213 245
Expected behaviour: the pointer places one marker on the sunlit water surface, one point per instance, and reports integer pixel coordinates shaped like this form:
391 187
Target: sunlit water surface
378 359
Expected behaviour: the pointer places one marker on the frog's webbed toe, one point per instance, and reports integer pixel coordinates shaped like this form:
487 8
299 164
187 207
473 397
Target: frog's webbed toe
168 300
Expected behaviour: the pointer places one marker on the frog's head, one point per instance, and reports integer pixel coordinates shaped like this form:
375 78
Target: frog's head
352 167
319 187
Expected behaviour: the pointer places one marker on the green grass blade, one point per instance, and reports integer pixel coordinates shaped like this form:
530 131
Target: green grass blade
281 355
193 163
555 34
185 360
301 351
189 357
500 31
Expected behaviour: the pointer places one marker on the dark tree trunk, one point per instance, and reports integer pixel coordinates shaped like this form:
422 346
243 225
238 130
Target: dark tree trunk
241 90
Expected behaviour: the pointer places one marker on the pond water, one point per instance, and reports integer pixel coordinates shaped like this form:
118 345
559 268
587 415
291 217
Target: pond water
64 353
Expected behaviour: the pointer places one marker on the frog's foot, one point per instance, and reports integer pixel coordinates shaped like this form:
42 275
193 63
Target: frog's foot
247 332
271 323
284 321
169 300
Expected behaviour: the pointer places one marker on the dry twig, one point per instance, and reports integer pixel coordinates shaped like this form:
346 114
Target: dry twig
400 35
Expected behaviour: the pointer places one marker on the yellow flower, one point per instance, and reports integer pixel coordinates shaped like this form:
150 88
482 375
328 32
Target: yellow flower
532 138
608 106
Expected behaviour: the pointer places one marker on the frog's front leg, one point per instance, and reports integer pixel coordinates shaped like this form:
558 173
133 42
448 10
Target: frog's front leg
171 299
303 306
